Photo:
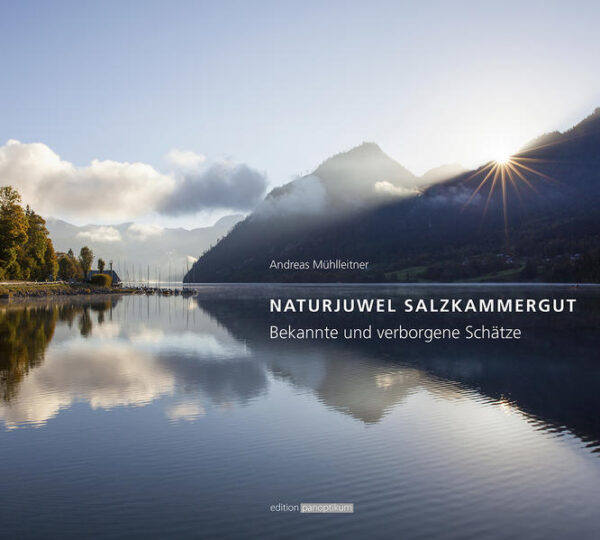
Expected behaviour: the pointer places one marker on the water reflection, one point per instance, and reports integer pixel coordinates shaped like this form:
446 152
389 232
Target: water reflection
550 376
214 352
26 332
24 337
157 416
132 362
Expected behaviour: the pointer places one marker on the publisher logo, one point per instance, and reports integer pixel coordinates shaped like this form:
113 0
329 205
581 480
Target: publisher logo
327 508
314 508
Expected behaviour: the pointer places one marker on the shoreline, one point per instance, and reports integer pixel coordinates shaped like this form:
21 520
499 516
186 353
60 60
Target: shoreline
10 291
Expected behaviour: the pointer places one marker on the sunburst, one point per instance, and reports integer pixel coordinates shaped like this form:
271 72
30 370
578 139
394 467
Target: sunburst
514 170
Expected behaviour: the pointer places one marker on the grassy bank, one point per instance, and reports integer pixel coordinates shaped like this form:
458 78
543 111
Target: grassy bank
22 289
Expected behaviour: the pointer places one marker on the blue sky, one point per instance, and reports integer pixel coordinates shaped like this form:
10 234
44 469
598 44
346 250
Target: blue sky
280 86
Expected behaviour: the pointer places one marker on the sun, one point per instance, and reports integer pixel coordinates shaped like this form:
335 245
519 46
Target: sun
502 157
507 170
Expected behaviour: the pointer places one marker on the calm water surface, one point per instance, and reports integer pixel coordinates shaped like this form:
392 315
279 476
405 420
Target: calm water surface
171 417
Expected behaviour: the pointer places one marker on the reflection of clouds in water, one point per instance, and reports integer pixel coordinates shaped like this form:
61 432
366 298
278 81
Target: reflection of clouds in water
116 367
144 364
126 363
145 335
106 377
235 381
197 344
107 330
186 410
204 345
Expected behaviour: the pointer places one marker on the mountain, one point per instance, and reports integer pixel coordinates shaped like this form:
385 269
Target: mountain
361 172
441 173
534 218
133 247
360 178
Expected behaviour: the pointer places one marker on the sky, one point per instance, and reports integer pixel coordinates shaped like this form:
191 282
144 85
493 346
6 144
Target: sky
176 113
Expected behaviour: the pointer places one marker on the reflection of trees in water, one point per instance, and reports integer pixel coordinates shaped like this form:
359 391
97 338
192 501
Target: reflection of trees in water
69 312
24 337
26 332
85 323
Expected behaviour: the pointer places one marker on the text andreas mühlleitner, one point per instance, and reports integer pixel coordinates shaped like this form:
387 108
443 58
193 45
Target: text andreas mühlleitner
410 305
320 264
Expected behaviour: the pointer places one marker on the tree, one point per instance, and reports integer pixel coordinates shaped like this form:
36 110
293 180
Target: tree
26 251
101 265
32 254
13 232
69 267
50 261
86 257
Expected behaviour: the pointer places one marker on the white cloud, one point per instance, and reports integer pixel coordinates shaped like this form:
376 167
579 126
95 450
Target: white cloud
101 234
305 195
142 232
387 188
112 190
185 159
104 189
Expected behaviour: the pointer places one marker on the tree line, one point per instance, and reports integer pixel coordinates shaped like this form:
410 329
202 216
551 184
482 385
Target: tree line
26 250
77 268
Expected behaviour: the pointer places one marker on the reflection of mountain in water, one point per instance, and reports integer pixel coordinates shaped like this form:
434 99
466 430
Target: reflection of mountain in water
142 355
353 381
355 384
217 350
552 374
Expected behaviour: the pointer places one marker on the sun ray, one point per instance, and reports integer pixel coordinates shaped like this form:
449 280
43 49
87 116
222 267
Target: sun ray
493 168
479 171
533 171
513 170
514 183
522 177
504 202
523 158
487 202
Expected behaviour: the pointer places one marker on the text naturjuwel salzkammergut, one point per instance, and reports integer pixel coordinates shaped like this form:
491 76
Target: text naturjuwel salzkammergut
422 305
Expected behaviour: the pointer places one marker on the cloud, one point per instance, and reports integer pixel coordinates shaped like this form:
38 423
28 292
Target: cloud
113 190
104 189
185 159
101 234
387 188
143 232
305 195
222 185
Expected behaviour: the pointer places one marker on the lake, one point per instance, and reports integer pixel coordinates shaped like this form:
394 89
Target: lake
172 417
